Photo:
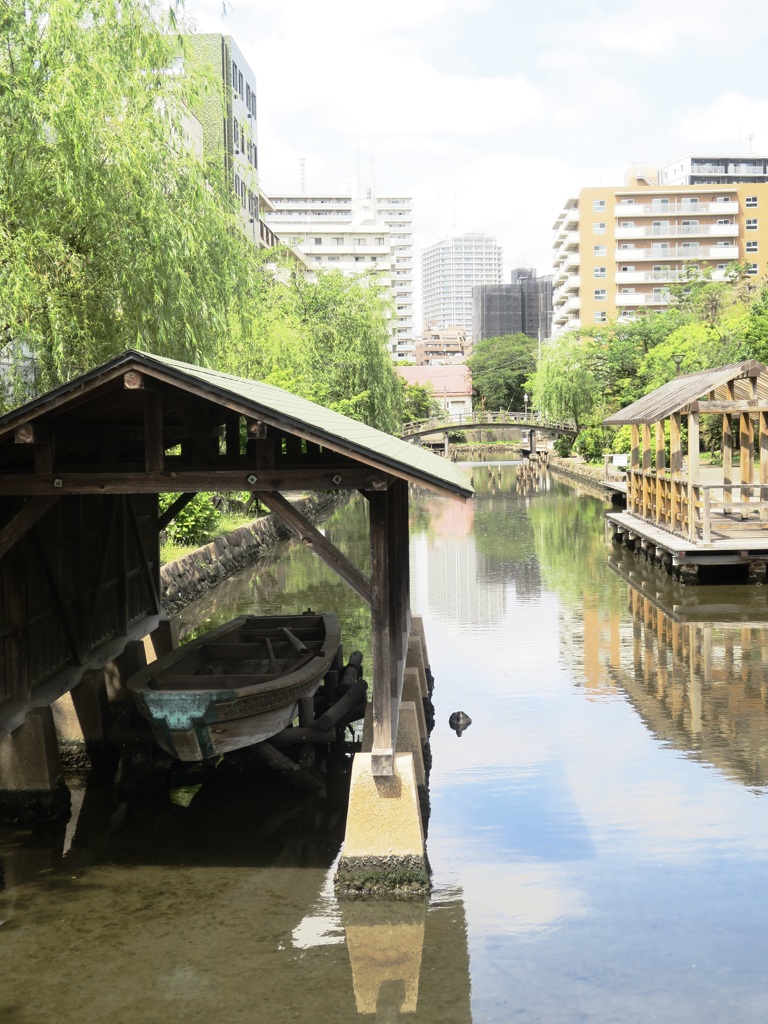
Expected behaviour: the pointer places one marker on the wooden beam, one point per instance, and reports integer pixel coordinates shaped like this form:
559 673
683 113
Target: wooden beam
634 497
308 478
662 511
152 587
727 450
133 380
32 433
676 467
173 509
154 447
382 753
17 527
763 434
733 406
646 468
312 537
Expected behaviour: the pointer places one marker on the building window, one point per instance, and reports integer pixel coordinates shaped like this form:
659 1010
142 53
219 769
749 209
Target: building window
361 241
317 241
626 224
234 76
598 250
627 269
752 268
600 294
235 131
627 202
752 245
598 205
599 271
750 201
599 227
600 318
338 240
379 241
359 259
751 223
247 95
240 83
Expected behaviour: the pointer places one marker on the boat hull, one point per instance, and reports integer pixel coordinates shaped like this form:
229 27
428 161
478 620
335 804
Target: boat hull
236 686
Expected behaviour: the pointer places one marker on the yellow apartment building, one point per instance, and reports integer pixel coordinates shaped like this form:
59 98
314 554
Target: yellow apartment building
618 250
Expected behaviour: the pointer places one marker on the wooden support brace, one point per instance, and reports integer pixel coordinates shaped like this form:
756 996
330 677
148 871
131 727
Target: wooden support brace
311 536
24 520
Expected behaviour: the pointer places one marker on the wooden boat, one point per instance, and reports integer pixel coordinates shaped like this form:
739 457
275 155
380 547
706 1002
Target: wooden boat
237 685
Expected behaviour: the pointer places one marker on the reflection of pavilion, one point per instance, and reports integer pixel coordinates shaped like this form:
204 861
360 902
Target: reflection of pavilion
696 669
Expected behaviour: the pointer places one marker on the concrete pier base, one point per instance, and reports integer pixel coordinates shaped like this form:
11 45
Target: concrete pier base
32 786
383 852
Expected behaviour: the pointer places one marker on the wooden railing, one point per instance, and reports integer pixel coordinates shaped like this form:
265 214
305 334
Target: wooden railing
693 510
480 419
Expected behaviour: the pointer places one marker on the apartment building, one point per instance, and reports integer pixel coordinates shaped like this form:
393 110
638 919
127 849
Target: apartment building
356 234
713 170
617 251
436 348
450 269
229 127
523 306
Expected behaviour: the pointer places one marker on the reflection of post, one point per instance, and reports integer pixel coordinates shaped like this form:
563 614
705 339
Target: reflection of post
385 943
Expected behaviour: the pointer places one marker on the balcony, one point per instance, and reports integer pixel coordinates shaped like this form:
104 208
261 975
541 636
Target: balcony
571 287
677 230
693 251
571 305
681 208
566 240
649 276
659 298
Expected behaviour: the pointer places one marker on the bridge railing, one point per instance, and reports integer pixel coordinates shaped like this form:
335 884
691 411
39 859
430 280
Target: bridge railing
494 417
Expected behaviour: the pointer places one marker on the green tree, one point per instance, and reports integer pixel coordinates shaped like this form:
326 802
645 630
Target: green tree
112 233
500 368
565 385
417 401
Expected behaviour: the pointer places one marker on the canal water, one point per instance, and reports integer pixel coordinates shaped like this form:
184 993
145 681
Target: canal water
598 836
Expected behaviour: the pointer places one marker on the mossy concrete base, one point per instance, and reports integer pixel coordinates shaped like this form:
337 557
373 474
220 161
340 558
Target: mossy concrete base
383 852
32 784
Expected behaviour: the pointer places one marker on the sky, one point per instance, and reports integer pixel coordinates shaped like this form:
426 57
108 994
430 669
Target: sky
491 113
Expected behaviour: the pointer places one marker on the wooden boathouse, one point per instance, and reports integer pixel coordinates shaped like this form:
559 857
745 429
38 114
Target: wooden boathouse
80 472
678 510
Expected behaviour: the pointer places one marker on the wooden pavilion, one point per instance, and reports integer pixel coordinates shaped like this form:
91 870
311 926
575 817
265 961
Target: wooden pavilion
80 472
696 513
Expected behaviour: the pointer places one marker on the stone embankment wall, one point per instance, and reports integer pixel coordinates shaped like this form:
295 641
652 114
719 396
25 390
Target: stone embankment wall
203 569
588 477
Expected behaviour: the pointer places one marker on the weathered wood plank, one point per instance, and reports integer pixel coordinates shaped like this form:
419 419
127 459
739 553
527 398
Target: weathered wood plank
382 753
31 513
309 478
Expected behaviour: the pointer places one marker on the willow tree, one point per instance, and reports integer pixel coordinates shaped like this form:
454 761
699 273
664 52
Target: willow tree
113 234
565 385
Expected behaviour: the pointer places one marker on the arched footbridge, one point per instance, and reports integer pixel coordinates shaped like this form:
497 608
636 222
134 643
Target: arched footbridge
477 420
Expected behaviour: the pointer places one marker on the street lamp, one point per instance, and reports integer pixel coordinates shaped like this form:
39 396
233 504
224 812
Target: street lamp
678 360
525 400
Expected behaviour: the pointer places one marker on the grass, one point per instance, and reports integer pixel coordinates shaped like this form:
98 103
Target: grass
170 552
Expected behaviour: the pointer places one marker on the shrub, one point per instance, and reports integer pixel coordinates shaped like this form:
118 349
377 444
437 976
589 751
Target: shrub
564 446
195 523
590 443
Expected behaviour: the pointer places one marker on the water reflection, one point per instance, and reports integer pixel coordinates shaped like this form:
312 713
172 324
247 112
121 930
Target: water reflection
696 668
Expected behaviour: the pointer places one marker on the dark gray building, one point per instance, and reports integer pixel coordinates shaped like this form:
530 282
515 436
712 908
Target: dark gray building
524 306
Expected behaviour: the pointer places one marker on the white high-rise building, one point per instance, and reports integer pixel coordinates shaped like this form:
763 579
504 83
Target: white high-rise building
370 233
450 269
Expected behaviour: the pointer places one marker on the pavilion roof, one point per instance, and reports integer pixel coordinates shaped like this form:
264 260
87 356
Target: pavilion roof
683 393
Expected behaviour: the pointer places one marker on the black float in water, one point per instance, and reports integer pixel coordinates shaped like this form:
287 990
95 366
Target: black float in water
459 722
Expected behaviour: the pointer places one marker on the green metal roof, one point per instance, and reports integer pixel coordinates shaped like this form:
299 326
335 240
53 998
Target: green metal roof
273 405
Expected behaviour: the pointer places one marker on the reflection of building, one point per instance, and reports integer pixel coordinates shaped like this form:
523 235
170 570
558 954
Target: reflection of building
450 269
696 672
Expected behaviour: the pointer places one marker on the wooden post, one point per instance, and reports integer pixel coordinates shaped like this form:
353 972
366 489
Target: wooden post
747 457
727 452
676 468
662 511
634 465
646 433
382 753
763 430
693 472
154 452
